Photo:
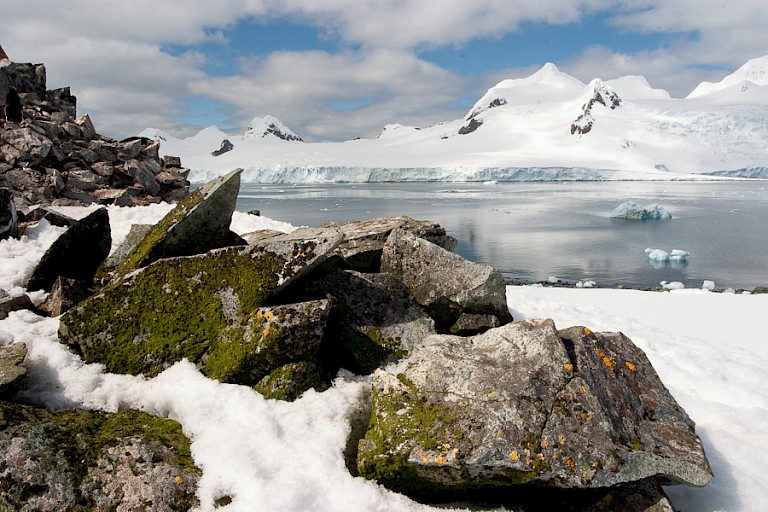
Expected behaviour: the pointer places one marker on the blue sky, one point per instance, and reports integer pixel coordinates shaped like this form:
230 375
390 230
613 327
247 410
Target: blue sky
337 69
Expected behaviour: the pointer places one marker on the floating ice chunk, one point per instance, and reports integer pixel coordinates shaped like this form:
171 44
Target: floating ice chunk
674 285
585 284
661 255
708 285
632 210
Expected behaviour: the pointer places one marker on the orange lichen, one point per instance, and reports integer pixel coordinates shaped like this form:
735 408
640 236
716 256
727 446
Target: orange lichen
582 390
631 367
608 363
179 480
587 331
545 444
570 463
568 366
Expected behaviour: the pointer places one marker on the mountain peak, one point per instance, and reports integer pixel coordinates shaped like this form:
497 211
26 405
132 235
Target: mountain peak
263 127
754 70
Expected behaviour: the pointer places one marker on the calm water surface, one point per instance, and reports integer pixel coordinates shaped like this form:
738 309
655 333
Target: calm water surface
531 231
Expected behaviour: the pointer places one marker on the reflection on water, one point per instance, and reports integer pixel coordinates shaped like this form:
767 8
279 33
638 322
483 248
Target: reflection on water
531 231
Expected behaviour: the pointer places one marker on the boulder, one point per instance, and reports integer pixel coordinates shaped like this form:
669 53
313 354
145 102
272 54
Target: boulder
446 284
82 460
364 241
288 382
135 235
9 218
524 404
16 303
376 319
179 307
198 224
11 371
65 294
76 254
468 324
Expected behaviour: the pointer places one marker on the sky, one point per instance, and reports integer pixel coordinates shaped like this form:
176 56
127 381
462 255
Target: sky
338 69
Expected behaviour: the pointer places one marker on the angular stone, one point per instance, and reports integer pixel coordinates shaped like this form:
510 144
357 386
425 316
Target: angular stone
365 240
77 253
376 320
135 235
176 308
84 460
246 352
443 282
290 381
171 161
9 218
28 144
198 224
143 176
468 325
86 126
16 303
65 294
517 405
11 371
85 180
256 237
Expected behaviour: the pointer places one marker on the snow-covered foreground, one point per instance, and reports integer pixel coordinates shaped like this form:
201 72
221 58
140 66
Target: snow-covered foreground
269 455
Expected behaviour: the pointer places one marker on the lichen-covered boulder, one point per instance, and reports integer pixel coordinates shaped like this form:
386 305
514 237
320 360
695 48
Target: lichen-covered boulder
443 282
376 319
11 371
519 405
81 461
178 308
196 225
364 240
250 348
76 254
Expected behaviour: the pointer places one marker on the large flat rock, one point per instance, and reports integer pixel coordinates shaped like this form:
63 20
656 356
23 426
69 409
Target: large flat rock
523 404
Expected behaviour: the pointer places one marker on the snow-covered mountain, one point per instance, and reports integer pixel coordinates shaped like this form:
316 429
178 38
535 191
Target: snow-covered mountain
548 126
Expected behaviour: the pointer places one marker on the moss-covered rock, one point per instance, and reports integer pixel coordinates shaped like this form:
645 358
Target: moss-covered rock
526 404
290 381
180 308
83 460
196 225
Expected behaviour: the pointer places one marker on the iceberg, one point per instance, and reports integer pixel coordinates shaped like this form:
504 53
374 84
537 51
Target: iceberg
632 210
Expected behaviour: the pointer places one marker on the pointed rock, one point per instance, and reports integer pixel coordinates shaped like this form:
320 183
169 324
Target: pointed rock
9 219
11 357
198 224
76 254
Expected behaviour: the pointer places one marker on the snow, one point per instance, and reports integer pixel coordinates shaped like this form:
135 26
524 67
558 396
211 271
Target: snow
270 455
525 135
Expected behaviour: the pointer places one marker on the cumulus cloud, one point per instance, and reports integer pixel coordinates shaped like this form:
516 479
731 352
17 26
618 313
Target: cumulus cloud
337 96
142 63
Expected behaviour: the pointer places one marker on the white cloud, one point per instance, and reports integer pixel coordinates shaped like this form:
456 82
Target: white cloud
136 64
312 88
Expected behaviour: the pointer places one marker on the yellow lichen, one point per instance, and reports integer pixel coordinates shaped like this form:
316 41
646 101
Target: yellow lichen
514 455
545 444
179 480
269 315
631 367
587 331
568 366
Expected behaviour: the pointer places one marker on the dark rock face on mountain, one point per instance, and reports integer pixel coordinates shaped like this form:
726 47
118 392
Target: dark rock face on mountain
226 147
48 155
603 95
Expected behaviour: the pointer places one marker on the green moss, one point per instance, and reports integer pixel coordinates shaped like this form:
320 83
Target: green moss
637 445
146 251
169 310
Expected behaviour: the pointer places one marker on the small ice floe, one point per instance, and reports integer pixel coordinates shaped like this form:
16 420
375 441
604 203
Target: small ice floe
660 255
708 285
585 284
633 211
674 285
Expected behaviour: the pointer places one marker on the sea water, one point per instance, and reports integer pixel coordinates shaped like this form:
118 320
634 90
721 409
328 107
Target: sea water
561 230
